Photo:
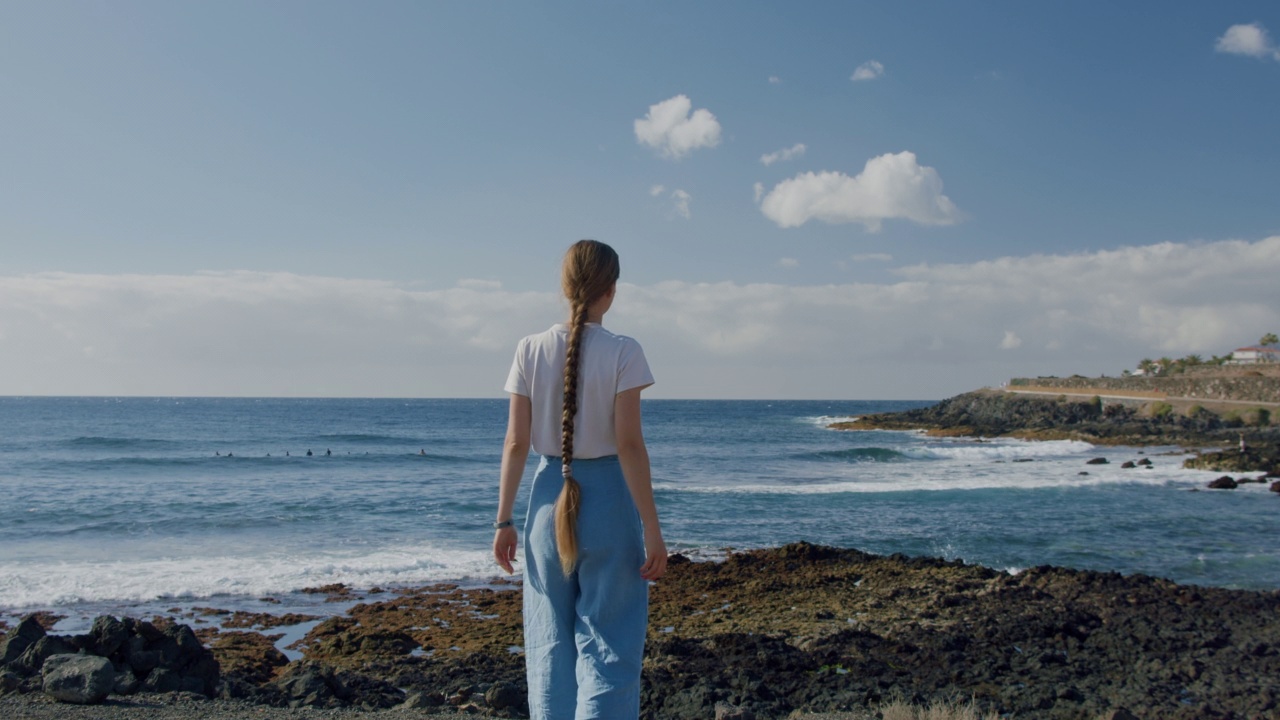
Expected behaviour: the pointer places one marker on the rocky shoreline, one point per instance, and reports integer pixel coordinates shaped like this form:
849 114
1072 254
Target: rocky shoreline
764 634
993 413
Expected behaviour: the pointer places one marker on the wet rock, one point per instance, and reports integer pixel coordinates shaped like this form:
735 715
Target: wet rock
1128 464
1226 482
19 638
1117 714
79 679
9 682
1097 461
1145 461
1275 487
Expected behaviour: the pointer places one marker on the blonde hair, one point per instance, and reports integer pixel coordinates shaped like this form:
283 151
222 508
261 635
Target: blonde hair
590 269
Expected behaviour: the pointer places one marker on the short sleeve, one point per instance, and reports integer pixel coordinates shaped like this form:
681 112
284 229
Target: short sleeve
516 383
633 368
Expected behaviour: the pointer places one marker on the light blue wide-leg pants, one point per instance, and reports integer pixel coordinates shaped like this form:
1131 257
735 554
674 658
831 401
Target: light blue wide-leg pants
584 634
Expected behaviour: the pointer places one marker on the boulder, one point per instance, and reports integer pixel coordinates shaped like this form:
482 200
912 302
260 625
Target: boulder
1128 464
162 680
422 700
503 695
1145 461
1096 461
126 682
9 682
79 679
34 658
1226 482
1275 487
19 638
108 634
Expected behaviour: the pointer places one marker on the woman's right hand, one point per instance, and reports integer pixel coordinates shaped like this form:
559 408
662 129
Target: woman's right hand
504 548
655 556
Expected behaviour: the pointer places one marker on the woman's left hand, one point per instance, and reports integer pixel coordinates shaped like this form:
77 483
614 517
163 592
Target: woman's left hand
504 548
655 552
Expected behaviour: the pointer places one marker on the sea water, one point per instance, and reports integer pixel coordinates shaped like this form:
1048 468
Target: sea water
129 504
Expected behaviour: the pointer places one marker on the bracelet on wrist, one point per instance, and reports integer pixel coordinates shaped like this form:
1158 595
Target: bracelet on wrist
504 524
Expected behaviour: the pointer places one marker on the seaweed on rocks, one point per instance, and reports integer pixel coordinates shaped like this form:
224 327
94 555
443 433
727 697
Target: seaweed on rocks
810 628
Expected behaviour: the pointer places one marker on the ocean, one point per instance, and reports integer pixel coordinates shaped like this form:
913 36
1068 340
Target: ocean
142 505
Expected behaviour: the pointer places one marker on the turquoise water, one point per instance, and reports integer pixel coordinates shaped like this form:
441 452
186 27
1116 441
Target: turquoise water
111 501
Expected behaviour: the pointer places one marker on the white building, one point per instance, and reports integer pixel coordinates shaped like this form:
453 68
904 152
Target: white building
1255 354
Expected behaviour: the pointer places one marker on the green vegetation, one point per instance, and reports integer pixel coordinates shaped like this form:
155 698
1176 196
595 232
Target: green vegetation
1169 366
1160 409
1269 339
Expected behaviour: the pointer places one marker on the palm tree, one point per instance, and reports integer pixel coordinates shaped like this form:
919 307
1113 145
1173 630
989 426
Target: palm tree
1146 366
1269 339
1193 360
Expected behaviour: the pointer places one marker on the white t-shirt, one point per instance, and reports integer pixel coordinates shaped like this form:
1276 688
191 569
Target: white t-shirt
609 364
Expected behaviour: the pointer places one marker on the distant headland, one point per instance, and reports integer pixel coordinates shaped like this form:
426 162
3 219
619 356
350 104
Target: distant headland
1229 403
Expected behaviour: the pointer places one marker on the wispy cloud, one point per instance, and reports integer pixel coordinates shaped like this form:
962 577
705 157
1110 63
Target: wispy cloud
787 262
889 187
870 257
670 128
934 330
782 155
869 70
774 80
682 200
1250 40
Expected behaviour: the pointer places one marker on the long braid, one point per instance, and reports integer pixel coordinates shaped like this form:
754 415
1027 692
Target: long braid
570 500
590 272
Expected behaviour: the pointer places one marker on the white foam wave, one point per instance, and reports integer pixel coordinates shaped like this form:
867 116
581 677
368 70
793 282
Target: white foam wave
1001 450
32 585
825 420
1056 475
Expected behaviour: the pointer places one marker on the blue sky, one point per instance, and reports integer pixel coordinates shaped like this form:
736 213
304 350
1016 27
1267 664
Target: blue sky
417 168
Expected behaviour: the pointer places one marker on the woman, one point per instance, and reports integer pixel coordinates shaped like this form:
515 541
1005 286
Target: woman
592 537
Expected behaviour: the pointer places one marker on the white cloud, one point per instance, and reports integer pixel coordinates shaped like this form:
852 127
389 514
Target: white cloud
1010 341
869 70
758 189
784 154
889 187
867 257
774 80
787 262
682 199
1250 40
927 333
657 190
669 128
475 284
